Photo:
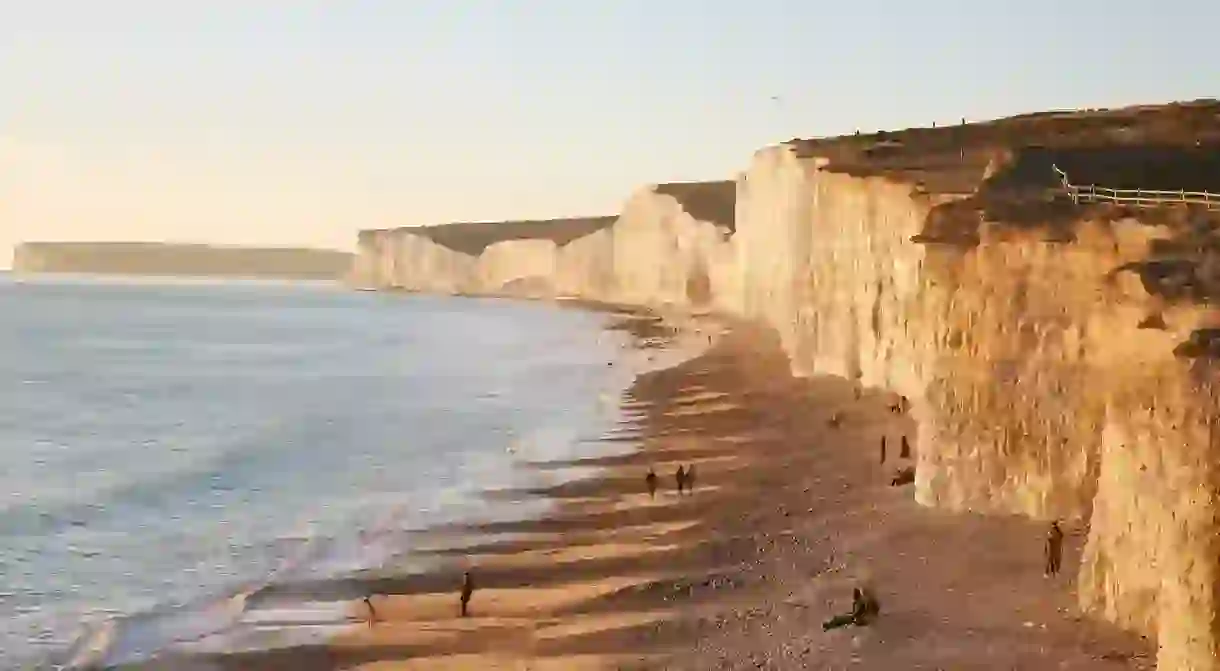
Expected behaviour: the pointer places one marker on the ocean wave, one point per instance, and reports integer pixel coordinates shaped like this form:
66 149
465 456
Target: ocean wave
138 637
307 535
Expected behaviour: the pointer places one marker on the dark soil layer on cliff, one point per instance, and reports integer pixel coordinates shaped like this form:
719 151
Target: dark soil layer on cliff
788 513
1010 171
714 202
474 237
1147 146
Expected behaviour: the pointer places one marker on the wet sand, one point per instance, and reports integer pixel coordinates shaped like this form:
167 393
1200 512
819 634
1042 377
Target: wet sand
788 513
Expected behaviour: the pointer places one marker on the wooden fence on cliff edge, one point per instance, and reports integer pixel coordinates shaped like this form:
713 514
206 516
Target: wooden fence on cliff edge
1135 197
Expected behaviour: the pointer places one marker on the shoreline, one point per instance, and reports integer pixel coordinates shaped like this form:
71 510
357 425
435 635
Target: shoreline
259 613
648 342
788 514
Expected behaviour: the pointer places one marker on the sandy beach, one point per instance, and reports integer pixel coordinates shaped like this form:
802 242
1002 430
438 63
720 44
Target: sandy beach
791 509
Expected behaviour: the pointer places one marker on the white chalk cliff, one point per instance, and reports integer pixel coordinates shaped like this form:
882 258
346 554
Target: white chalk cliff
1050 374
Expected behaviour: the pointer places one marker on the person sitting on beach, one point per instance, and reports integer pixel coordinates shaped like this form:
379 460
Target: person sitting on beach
680 478
904 476
690 479
467 592
651 481
864 610
368 602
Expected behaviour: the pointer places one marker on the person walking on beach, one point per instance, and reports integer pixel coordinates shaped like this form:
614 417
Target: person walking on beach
680 479
1054 549
467 592
651 481
690 479
368 602
906 448
883 449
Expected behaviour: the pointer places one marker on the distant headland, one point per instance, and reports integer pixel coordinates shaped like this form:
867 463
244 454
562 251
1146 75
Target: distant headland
181 260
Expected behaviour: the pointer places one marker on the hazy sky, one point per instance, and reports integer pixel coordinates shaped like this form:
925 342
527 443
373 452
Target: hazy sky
298 122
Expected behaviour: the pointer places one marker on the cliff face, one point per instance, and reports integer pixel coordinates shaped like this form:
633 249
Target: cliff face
827 260
148 258
665 255
1046 398
1056 365
654 253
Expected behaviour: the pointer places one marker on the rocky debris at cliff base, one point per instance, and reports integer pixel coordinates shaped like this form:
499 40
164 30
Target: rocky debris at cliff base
957 588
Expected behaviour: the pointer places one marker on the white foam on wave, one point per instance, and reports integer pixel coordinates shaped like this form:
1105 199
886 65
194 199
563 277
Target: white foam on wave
230 625
279 626
135 638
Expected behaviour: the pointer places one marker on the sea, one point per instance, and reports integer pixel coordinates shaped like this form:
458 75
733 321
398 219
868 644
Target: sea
170 447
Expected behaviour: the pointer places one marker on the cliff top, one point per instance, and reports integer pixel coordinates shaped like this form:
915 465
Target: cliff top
713 202
1003 171
473 237
1171 146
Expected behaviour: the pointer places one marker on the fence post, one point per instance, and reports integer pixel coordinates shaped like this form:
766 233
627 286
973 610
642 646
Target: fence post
1093 194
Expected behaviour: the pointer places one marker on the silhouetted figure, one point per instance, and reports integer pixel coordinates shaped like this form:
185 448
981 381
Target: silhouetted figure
1054 549
690 479
905 451
368 602
680 479
883 449
864 609
651 481
467 592
904 476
